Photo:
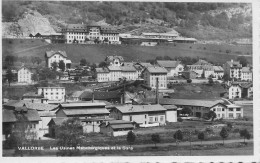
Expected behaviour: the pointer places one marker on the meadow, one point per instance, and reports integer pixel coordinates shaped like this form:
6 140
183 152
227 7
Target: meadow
97 53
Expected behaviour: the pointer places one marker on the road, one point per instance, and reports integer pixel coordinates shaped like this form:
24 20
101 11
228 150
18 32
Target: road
193 143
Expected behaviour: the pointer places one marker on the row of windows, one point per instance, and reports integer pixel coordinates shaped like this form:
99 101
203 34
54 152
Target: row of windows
53 89
53 93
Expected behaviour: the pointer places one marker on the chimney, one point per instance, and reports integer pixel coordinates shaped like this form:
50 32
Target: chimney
93 96
157 91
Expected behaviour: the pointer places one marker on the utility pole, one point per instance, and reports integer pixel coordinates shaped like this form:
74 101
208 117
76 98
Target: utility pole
157 91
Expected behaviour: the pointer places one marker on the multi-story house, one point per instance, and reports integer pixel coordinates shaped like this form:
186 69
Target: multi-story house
202 68
103 74
52 93
141 114
25 75
247 74
140 66
114 60
200 108
129 72
80 33
233 69
151 74
240 90
218 72
173 67
56 56
115 73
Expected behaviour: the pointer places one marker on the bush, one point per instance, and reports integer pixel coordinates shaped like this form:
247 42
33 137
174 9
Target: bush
179 119
189 80
236 130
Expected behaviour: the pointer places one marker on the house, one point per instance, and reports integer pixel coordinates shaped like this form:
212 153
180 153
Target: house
53 124
173 67
21 119
225 111
171 113
114 60
103 74
52 93
116 127
140 66
218 72
140 114
188 74
25 75
76 96
151 74
240 90
33 97
82 110
247 74
129 72
203 68
93 124
115 73
233 69
56 56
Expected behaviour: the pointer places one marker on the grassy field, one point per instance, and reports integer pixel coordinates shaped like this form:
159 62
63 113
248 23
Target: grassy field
97 53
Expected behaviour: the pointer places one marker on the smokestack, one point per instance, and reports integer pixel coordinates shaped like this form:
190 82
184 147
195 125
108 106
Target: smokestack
157 91
93 97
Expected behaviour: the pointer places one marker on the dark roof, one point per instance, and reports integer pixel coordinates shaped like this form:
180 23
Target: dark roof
48 54
57 121
203 103
32 94
140 108
234 63
98 95
30 105
76 26
168 64
246 85
118 126
156 70
170 107
9 115
82 104
102 70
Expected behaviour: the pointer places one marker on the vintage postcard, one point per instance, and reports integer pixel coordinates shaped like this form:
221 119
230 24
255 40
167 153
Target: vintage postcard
130 81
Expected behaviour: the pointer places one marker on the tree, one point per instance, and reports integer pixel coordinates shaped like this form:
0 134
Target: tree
130 137
9 76
69 135
9 59
33 60
223 133
96 41
178 136
54 66
243 61
35 77
186 110
155 138
226 77
210 81
189 80
38 60
62 65
83 62
201 136
45 74
244 133
102 64
211 115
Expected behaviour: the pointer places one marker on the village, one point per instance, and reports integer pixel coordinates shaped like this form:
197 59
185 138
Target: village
119 97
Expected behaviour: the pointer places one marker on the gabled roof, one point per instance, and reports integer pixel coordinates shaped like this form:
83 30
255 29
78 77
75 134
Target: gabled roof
246 69
77 94
9 115
246 85
118 126
114 68
234 63
102 70
127 68
83 104
168 64
57 120
85 111
203 103
113 57
156 70
32 94
48 54
32 70
140 108
170 107
30 105
218 68
76 26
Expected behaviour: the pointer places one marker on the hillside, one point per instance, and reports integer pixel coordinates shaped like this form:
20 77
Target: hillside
97 53
212 20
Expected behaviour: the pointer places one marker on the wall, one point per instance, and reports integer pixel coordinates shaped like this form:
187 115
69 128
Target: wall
171 115
120 133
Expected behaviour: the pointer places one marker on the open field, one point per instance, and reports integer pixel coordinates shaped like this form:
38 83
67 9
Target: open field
97 53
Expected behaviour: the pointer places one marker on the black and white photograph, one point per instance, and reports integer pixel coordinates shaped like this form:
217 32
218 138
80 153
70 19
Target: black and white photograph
128 78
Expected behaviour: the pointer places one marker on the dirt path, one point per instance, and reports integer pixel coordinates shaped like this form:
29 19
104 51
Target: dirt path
29 49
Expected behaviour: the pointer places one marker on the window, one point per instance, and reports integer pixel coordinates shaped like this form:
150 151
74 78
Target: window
230 109
161 118
156 119
223 109
238 109
151 119
230 115
145 116
130 117
238 115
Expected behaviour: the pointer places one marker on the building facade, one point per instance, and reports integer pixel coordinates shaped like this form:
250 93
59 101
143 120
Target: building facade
233 69
52 93
150 75
56 56
173 67
218 72
247 74
25 75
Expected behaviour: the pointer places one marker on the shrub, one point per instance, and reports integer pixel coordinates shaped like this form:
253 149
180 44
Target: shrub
236 130
189 80
179 119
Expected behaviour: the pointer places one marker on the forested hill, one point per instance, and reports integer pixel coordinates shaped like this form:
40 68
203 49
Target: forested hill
205 21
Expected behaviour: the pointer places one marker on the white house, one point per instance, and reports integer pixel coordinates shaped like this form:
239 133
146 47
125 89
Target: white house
52 93
103 74
25 75
235 91
173 67
233 69
247 74
150 75
218 72
227 111
202 68
56 56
